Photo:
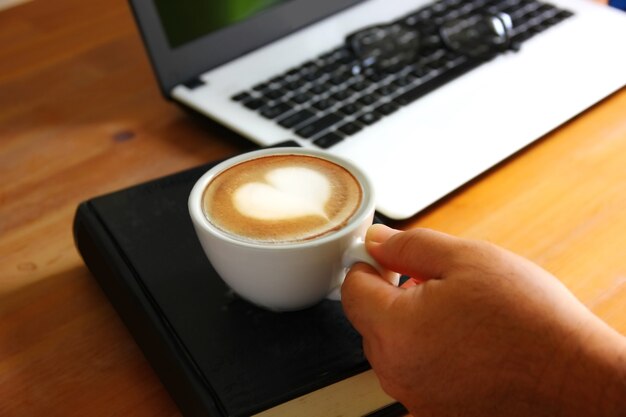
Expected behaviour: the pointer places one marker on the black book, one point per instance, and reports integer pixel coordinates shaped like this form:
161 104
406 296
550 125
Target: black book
217 354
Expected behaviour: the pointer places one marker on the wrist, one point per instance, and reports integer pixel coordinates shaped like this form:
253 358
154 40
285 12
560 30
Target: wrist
592 376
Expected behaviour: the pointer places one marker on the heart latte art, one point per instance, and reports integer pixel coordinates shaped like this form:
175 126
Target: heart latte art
282 198
286 193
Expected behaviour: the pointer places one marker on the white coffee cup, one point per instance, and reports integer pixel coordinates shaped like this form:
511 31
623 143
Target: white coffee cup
288 275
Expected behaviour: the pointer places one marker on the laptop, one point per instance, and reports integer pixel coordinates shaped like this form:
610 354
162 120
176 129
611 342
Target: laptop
274 70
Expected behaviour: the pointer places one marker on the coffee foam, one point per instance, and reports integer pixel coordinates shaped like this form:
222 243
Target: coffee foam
287 193
282 198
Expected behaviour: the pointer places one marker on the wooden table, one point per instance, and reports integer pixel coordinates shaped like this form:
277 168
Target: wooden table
81 115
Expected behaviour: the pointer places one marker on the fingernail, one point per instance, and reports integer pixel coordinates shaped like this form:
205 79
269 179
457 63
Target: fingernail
378 233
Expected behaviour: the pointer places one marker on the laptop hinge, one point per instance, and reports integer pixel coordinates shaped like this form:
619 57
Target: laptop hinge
194 83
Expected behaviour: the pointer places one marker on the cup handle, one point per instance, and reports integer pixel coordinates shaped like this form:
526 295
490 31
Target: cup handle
355 253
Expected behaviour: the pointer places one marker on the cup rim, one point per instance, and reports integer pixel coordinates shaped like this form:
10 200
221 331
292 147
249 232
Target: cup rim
197 214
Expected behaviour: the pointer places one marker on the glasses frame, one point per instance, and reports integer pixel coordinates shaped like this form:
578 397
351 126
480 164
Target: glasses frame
390 45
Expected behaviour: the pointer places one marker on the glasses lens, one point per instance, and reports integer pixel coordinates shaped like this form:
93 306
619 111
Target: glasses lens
385 46
477 35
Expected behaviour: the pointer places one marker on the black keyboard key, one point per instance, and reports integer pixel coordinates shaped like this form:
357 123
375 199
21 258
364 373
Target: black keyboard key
350 108
386 90
330 67
324 104
301 98
309 66
414 93
318 89
328 140
274 94
439 8
557 18
349 60
327 56
349 128
243 96
340 78
425 88
541 8
521 37
260 87
403 81
295 84
369 118
369 99
533 14
312 75
398 66
540 27
418 70
360 85
254 103
292 72
413 20
425 13
296 118
438 61
318 125
272 112
278 80
551 21
342 53
342 95
376 76
387 108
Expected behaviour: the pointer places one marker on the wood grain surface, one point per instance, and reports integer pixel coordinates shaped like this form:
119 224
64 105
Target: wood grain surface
81 115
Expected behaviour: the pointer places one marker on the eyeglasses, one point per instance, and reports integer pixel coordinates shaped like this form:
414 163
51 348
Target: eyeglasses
396 44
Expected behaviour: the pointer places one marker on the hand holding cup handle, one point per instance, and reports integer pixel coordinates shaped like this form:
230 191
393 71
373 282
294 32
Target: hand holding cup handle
355 254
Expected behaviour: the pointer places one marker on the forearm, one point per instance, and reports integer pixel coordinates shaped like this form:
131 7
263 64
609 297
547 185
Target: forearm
578 371
593 380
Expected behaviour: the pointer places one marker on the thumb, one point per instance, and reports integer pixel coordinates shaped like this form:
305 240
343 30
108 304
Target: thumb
364 295
420 253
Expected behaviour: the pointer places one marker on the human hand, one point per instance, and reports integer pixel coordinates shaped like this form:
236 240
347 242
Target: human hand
487 332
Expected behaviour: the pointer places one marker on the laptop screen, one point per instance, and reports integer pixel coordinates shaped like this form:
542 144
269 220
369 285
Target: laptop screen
185 38
184 21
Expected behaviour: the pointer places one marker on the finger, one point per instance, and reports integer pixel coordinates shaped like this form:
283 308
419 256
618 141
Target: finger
365 295
420 253
379 233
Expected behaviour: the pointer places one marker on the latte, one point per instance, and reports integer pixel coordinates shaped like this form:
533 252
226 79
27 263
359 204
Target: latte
282 198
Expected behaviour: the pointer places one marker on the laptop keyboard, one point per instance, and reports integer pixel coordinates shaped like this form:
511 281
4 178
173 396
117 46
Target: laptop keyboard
326 100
